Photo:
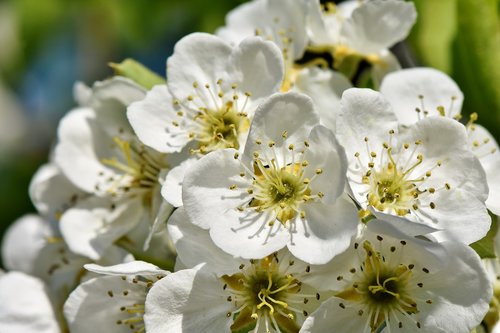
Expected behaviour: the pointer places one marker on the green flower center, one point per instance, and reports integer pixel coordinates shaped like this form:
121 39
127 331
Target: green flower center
381 287
220 129
261 292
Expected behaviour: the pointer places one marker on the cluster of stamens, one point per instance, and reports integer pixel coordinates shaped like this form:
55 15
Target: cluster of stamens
264 293
139 169
423 112
382 288
395 180
216 123
279 187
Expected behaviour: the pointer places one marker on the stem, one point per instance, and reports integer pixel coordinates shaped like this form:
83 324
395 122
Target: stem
166 264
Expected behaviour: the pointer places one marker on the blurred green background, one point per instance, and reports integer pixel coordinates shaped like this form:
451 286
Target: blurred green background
45 46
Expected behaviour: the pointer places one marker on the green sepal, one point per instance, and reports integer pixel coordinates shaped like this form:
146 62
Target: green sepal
485 247
348 65
137 72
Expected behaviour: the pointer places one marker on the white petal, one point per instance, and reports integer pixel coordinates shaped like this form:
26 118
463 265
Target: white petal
119 89
404 88
485 147
271 19
330 314
206 193
77 151
325 87
26 306
326 232
406 227
327 154
23 241
198 57
152 120
131 268
52 193
249 235
187 301
461 216
256 66
445 140
194 245
93 225
241 21
462 290
378 25
364 114
172 187
110 99
95 304
291 112
82 93
322 29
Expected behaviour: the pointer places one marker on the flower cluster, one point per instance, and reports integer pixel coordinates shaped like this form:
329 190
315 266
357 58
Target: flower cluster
261 188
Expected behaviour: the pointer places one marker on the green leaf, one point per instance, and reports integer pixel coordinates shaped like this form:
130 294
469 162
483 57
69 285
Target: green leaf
137 72
475 62
433 34
486 247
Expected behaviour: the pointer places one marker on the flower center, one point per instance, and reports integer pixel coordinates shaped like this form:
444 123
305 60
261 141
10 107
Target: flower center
390 189
397 182
219 129
382 288
138 166
262 295
279 189
214 116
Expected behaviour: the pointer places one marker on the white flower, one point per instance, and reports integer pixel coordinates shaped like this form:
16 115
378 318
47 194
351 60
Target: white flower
26 305
325 87
272 294
485 147
112 303
284 23
212 91
23 241
389 282
98 152
419 93
32 245
367 31
425 173
280 21
52 193
284 190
